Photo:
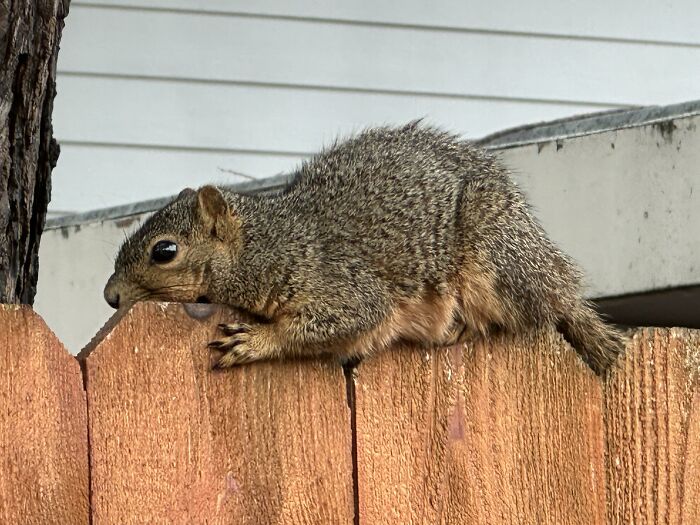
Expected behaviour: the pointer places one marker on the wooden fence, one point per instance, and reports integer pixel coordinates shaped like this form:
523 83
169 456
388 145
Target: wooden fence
506 432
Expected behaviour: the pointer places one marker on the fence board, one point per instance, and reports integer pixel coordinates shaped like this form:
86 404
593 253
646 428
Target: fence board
652 430
511 430
172 441
43 427
507 432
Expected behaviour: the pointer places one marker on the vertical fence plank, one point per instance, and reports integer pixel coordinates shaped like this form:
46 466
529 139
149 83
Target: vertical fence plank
509 432
43 428
173 441
653 433
690 506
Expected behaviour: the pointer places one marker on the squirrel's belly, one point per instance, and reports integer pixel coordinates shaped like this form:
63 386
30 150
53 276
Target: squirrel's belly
428 319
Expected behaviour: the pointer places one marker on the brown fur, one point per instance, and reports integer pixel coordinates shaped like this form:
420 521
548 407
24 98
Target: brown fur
399 233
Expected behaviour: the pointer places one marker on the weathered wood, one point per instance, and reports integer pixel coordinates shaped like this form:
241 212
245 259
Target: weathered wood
172 440
30 31
509 431
652 417
43 425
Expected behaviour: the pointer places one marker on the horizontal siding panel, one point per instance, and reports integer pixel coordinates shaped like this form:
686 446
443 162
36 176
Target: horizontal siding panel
674 21
167 44
264 119
89 177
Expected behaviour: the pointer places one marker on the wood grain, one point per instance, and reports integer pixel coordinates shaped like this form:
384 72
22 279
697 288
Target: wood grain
653 430
507 431
172 441
43 425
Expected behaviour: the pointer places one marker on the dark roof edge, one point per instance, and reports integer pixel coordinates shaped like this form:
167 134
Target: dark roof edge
587 124
575 126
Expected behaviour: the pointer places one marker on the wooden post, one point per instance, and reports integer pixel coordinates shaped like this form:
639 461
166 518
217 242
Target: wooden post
172 441
43 427
509 431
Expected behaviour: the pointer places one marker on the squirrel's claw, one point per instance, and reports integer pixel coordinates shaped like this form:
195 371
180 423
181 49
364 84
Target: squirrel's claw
234 328
232 358
236 334
235 345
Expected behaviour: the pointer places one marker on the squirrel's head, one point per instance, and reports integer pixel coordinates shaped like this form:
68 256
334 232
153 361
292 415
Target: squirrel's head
170 257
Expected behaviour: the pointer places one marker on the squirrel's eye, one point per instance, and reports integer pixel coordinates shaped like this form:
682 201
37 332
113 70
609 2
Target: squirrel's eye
163 252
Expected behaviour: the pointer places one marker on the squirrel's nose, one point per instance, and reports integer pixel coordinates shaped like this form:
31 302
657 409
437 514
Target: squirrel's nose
112 299
111 294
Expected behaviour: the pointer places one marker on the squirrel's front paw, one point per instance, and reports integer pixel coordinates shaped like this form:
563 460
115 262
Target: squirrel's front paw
238 345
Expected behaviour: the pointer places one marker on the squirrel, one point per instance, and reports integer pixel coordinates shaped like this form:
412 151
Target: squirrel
400 233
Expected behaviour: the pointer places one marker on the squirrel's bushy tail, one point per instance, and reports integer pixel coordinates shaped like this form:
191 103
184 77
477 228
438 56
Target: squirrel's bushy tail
598 343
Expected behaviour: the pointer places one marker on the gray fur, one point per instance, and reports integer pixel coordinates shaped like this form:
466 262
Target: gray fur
382 217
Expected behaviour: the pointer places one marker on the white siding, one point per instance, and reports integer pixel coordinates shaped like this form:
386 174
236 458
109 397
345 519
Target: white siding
355 56
261 118
105 176
669 21
155 95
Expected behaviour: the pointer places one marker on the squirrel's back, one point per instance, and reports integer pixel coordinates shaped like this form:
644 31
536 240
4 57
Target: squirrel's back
404 232
427 210
393 197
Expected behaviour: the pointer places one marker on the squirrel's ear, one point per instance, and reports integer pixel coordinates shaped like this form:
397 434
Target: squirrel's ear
184 193
216 213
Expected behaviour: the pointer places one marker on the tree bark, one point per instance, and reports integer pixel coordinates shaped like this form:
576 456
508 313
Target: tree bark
30 32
